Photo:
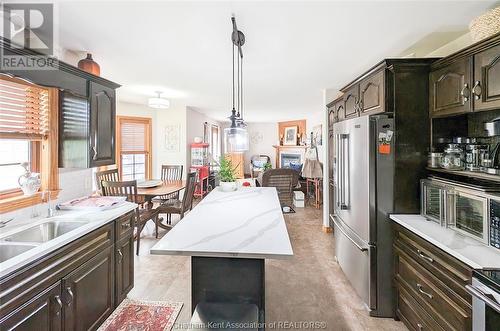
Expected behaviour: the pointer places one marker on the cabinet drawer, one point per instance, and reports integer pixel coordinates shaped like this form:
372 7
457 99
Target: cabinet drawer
412 315
125 226
446 268
440 301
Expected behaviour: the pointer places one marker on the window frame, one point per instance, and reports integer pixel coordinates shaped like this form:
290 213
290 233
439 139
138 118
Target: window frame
148 142
44 156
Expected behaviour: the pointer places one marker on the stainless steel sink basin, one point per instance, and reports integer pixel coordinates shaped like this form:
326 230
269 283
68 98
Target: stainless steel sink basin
10 250
44 232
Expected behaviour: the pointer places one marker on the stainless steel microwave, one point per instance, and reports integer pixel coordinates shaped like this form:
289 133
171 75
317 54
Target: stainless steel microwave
463 209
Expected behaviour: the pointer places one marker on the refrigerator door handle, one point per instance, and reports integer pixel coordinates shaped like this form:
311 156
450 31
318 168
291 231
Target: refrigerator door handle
345 202
337 164
339 227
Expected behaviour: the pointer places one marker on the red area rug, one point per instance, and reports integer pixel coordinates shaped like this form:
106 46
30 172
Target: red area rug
138 315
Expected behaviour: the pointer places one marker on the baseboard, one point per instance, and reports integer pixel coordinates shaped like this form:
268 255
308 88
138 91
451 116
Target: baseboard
327 229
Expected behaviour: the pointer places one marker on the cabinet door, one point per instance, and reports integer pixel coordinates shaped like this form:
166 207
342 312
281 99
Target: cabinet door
351 99
124 268
332 116
43 312
486 88
372 94
340 110
89 293
450 90
102 125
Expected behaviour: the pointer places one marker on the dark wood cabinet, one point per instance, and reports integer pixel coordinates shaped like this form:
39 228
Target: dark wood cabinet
351 100
430 285
340 110
332 116
43 312
486 84
450 89
124 266
371 95
89 293
102 125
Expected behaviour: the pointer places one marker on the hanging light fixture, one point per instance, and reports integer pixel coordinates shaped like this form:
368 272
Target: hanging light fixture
158 102
236 136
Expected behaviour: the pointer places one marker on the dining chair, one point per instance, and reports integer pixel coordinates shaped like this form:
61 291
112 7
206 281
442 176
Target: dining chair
180 206
128 189
282 180
107 175
169 172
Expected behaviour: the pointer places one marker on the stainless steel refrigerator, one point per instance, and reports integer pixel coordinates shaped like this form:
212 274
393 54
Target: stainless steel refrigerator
365 177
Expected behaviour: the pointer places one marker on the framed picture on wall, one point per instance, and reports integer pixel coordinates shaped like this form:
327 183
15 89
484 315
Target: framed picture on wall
318 135
290 135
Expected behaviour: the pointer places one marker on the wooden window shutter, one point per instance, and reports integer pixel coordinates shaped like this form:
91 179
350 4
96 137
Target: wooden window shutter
24 110
133 137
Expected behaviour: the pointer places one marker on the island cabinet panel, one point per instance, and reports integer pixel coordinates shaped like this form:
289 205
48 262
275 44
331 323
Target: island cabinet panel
124 268
486 87
371 95
450 89
89 293
43 312
102 125
351 100
430 285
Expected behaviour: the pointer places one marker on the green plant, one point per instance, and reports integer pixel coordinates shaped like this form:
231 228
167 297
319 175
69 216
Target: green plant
268 166
226 170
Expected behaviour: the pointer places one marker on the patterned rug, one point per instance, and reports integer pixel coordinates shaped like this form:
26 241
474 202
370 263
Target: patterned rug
138 315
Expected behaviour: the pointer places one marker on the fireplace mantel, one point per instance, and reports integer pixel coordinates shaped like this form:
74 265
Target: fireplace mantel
299 149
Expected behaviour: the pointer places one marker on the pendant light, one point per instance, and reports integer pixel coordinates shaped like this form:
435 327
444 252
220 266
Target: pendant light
158 102
236 136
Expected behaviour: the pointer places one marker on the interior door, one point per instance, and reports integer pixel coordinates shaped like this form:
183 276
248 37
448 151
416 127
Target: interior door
352 174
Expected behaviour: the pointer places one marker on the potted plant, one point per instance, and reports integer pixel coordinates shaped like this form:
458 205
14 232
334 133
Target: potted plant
268 166
226 175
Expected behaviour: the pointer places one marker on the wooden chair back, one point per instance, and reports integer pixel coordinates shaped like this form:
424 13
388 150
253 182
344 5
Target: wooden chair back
187 199
107 175
171 172
283 182
120 189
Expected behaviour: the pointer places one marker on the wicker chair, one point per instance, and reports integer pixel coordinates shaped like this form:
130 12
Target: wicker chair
284 180
180 206
129 189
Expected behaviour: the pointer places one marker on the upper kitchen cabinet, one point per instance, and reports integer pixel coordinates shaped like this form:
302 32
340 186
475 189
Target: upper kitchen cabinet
450 90
466 81
486 88
332 114
351 101
340 110
371 94
102 125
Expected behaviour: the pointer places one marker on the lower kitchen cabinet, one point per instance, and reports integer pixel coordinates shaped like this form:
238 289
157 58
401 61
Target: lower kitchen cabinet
89 293
124 268
43 312
430 285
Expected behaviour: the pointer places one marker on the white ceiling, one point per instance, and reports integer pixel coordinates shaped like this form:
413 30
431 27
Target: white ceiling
293 49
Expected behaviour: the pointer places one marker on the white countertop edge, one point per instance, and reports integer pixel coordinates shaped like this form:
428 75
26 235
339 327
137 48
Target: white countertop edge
223 255
397 218
21 260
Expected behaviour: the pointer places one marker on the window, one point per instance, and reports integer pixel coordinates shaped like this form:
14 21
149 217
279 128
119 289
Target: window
28 133
134 147
215 142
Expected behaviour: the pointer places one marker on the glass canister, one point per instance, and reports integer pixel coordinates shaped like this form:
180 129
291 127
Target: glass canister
453 158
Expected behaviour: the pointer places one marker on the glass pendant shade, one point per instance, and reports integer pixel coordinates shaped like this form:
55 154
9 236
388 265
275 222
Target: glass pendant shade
158 103
235 140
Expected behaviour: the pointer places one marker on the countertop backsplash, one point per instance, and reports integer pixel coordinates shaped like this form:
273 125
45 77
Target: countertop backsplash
73 183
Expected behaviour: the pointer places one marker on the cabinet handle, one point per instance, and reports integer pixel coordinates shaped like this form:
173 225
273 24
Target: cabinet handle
59 303
94 149
71 296
126 225
425 257
465 93
420 327
477 90
420 289
120 256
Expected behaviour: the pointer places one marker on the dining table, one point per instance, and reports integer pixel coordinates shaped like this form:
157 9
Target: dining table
166 187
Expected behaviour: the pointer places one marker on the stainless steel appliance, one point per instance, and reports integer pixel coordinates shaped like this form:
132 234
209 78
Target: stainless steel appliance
375 166
485 291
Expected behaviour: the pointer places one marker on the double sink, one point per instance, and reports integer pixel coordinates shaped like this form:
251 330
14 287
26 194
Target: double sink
19 242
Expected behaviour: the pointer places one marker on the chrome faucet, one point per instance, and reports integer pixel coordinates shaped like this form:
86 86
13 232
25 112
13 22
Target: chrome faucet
4 222
50 211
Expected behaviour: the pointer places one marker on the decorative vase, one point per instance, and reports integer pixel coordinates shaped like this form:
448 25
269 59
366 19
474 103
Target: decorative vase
29 182
89 65
228 186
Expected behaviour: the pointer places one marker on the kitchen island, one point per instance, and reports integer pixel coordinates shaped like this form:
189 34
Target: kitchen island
228 236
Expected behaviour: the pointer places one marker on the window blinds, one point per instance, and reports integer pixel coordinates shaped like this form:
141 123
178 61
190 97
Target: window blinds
24 110
133 137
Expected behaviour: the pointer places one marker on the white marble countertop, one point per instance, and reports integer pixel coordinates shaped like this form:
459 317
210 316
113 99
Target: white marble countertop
92 220
466 249
247 223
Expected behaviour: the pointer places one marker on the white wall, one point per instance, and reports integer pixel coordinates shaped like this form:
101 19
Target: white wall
453 46
194 128
262 137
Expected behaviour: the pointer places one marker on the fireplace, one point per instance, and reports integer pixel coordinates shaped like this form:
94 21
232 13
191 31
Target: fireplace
287 158
286 155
